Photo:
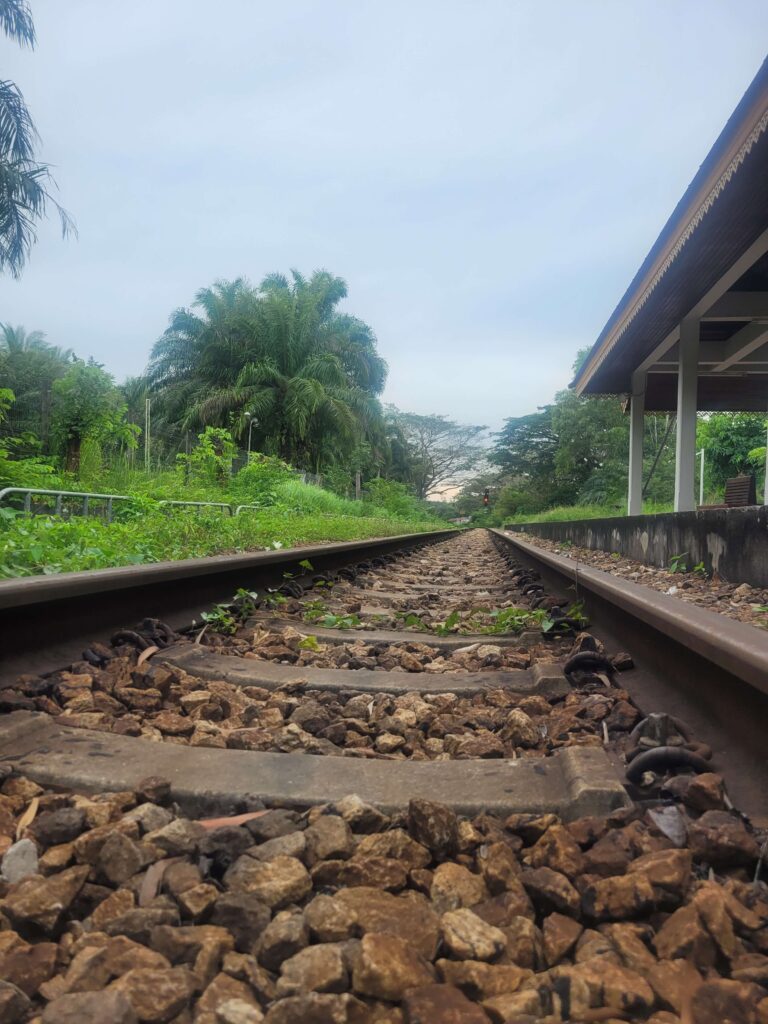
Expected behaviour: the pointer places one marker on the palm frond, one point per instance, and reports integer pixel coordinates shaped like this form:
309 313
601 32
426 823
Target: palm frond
16 22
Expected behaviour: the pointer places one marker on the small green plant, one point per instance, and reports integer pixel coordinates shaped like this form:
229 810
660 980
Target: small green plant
220 619
314 610
447 627
677 563
275 600
575 613
413 622
331 621
244 603
700 570
309 643
306 564
615 556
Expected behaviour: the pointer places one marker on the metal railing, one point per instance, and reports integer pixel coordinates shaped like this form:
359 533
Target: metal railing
200 504
86 497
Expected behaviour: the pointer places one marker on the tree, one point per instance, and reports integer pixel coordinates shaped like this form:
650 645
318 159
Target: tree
440 451
29 366
728 439
88 406
308 375
24 183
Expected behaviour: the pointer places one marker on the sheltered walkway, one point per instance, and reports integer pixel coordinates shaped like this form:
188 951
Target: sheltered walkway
691 332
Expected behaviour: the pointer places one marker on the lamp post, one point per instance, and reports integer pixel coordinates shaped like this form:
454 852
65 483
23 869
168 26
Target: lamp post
251 421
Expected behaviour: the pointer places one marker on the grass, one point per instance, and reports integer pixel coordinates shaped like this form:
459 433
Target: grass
45 544
566 513
287 513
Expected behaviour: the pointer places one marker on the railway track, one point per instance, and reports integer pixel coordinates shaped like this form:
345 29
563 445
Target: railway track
445 778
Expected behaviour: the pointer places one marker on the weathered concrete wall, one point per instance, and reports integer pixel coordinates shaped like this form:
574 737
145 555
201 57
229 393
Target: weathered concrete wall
731 542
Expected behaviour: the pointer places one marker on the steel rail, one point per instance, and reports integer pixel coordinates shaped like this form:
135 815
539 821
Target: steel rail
47 621
703 667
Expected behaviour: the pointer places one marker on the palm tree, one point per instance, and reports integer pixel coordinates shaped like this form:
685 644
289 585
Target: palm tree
24 183
29 366
17 339
309 375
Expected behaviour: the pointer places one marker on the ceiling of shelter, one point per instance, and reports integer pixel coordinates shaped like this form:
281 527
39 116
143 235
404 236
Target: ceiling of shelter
718 230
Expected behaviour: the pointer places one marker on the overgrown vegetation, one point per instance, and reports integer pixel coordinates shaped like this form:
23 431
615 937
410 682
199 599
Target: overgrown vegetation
568 460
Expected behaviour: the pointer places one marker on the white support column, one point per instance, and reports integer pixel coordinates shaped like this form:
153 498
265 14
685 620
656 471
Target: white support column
636 427
687 386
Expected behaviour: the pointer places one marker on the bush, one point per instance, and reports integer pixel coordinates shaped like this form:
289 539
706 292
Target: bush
257 482
395 498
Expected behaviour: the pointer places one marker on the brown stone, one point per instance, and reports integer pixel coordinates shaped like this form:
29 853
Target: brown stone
481 980
551 891
453 886
89 1008
121 857
55 827
329 920
557 850
285 936
27 967
684 937
668 871
397 844
387 967
138 924
408 916
505 908
434 825
314 969
221 989
705 793
179 877
87 847
750 967
156 996
510 1008
560 936
530 827
720 839
15 1007
611 855
468 937
201 946
247 968
329 838
377 872
525 946
56 858
443 1003
627 940
197 902
116 904
41 902
178 838
500 868
618 897
520 730
276 882
673 981
734 1002
242 914
611 985
320 1008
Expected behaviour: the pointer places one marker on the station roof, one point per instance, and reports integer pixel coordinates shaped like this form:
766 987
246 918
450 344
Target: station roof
709 262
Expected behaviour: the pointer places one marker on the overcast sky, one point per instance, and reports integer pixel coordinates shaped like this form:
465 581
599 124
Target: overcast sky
487 176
